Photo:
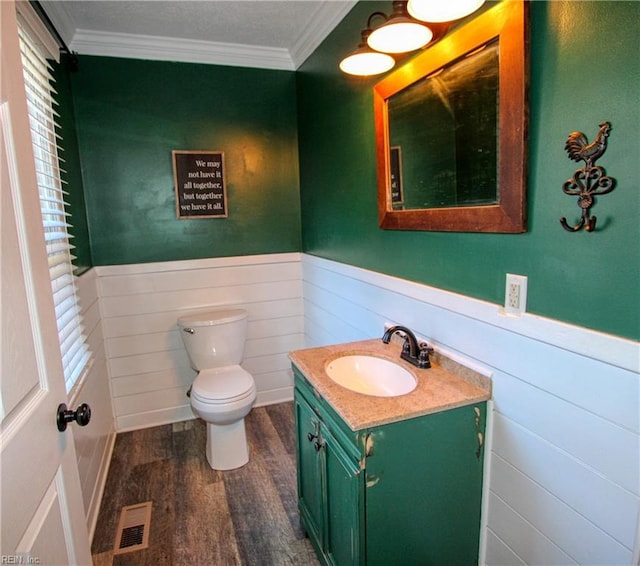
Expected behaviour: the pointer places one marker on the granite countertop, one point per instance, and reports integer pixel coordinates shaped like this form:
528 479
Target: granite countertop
446 385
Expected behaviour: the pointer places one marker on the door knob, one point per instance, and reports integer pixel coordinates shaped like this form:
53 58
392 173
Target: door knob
82 415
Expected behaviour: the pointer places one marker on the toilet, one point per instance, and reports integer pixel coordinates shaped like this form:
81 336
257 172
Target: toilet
222 393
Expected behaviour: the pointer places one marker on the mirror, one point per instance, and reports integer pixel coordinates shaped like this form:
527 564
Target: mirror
451 127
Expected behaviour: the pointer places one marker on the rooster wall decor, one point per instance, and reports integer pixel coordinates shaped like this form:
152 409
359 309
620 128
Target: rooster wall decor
589 180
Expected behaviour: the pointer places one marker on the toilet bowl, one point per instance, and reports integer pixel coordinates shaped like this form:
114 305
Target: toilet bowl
223 392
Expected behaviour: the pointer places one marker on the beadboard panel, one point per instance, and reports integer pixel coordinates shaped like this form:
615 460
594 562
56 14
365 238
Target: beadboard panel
501 553
148 365
595 441
142 382
266 313
199 278
562 481
522 539
555 368
584 541
94 443
606 348
262 336
142 418
539 461
190 299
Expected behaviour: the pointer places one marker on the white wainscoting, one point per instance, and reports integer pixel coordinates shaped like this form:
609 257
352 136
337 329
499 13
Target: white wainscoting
94 443
562 480
148 366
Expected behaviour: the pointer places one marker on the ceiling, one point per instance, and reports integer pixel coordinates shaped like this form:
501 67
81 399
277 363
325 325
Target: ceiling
252 33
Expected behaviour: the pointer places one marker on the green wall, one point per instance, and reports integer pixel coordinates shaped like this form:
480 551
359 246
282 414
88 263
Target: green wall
130 114
71 168
585 68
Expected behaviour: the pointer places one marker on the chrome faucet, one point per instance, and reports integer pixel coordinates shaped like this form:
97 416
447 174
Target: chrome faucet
413 352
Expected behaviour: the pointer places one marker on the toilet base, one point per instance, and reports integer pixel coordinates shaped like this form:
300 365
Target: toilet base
227 445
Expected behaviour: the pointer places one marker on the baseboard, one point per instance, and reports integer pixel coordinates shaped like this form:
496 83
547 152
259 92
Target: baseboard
98 491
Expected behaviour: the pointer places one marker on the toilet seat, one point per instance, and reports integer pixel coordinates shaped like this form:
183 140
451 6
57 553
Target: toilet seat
223 385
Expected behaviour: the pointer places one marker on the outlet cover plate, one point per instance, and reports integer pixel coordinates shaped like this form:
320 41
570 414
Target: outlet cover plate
515 295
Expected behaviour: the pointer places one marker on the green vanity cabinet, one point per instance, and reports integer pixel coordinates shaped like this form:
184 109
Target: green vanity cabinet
407 492
330 485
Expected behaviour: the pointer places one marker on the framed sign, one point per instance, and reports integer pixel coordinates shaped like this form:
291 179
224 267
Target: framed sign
199 184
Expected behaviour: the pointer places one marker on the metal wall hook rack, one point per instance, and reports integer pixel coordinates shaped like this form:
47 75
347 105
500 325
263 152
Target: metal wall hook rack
590 180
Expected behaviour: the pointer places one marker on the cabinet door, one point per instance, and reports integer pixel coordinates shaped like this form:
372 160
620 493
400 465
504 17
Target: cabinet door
344 490
424 490
310 501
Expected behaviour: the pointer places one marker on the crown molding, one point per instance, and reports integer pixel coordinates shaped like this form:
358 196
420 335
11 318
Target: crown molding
91 42
326 17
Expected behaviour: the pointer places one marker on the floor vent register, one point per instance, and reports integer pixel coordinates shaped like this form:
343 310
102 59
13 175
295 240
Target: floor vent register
133 528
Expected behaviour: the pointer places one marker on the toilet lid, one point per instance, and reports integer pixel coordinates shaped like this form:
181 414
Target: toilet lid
212 318
222 385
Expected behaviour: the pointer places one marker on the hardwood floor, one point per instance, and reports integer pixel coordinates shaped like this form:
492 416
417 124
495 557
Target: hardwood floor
204 517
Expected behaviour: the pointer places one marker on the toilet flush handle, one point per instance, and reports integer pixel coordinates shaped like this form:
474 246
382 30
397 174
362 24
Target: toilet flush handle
189 330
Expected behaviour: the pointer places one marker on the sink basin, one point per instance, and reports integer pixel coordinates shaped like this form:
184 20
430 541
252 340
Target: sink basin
371 375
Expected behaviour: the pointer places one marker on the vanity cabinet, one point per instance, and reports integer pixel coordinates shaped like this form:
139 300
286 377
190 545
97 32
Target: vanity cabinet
406 492
330 486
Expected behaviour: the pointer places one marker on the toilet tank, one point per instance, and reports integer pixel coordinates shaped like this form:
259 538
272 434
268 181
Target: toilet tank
214 338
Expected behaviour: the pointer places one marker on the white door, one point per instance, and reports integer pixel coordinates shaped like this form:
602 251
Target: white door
42 513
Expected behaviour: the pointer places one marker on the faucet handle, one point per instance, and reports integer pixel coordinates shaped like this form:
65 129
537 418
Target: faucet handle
423 355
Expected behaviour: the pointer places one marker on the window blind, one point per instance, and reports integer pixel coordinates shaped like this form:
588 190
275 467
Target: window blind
46 148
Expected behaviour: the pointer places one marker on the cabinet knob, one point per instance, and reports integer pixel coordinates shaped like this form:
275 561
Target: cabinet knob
312 436
318 445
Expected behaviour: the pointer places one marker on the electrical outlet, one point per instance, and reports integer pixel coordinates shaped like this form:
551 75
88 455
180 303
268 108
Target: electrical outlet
515 294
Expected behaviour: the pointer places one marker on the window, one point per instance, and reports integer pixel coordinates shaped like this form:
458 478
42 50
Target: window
46 147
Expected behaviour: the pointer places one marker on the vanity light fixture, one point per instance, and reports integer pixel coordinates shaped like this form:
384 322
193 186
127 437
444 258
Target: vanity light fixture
442 11
364 61
400 33
403 32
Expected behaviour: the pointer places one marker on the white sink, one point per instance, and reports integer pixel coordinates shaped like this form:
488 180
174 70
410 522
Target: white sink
371 375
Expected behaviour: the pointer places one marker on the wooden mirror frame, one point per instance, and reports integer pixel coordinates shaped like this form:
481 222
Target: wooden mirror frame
507 21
